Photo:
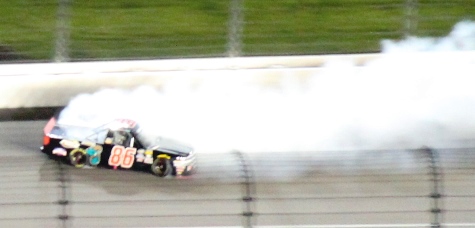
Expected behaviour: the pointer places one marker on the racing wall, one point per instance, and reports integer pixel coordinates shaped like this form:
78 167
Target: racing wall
54 84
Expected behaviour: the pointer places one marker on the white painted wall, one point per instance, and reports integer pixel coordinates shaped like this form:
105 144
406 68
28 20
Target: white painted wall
53 84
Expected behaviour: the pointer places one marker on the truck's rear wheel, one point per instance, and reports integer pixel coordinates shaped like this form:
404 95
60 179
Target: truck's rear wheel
78 158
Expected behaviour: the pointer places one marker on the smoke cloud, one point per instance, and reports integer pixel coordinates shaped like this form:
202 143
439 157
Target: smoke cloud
394 102
461 38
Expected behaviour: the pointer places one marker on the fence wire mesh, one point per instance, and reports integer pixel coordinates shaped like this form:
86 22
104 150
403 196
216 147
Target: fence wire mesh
396 188
70 30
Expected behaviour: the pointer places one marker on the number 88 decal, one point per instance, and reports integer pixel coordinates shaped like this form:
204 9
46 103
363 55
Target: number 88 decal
123 157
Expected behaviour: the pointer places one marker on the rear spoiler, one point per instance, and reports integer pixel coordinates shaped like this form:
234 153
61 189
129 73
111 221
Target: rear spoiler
49 126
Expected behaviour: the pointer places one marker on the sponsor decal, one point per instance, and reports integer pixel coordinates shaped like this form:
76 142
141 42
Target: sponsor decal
127 123
86 143
148 157
60 151
140 157
69 144
122 123
94 155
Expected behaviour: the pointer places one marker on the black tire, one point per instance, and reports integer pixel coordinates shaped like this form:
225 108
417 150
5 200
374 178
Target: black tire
162 167
78 158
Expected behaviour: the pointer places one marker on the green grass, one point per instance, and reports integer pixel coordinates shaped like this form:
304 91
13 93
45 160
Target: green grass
111 29
28 27
125 29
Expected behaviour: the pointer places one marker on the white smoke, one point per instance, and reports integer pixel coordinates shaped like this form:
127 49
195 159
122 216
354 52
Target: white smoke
462 37
398 102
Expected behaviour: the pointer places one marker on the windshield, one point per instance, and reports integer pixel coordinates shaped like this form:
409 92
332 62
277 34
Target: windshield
152 141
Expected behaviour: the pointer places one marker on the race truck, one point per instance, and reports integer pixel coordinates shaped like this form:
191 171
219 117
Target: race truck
119 144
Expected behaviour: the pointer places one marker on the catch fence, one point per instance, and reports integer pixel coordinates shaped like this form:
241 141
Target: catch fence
71 30
398 188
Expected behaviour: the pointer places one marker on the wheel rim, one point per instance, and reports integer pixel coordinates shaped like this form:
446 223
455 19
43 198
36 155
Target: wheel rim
161 167
79 160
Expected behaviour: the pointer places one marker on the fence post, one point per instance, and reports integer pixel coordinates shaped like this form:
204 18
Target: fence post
248 189
410 22
235 28
436 193
63 188
62 31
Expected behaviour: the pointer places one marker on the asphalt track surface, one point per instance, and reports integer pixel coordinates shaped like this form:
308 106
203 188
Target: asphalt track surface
344 189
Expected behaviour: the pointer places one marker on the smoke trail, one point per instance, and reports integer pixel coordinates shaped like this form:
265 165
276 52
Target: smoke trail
394 102
462 37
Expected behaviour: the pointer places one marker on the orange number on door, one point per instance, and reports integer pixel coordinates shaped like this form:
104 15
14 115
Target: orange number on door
123 157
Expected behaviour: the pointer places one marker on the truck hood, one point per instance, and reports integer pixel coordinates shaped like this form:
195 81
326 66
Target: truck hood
169 146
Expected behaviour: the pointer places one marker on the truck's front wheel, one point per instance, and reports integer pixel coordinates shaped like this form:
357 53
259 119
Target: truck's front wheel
162 167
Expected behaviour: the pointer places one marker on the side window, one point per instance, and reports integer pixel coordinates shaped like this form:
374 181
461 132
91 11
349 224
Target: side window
118 138
121 138
109 137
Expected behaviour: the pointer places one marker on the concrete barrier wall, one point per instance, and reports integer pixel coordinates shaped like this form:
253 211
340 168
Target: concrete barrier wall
53 84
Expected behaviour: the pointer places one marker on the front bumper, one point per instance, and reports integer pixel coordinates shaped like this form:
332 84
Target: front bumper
185 165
